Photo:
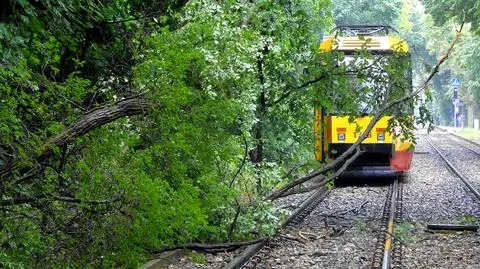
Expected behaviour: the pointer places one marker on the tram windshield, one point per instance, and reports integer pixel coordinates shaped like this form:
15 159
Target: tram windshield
377 78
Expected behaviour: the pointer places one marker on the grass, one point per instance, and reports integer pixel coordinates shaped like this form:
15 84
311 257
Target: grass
468 133
197 258
403 231
360 225
468 219
465 132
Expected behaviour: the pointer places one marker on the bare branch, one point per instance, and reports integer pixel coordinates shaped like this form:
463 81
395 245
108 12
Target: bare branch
210 247
88 122
323 181
234 221
110 200
245 155
38 198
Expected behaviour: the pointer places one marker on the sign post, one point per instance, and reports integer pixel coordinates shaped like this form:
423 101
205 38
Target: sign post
455 86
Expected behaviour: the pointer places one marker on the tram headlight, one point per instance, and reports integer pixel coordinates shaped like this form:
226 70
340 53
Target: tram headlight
380 137
341 137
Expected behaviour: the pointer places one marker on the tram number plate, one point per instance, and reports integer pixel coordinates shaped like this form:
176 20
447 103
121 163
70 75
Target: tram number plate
360 133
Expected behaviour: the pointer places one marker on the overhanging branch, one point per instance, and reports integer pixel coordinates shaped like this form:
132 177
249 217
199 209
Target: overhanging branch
88 122
322 77
323 181
210 247
38 198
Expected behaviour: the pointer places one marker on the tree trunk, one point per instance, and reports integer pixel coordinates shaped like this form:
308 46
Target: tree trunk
88 122
256 154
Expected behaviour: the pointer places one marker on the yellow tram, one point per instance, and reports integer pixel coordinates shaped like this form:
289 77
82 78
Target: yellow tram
385 154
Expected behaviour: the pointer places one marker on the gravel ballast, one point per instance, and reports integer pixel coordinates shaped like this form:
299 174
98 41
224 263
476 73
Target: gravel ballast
434 195
340 233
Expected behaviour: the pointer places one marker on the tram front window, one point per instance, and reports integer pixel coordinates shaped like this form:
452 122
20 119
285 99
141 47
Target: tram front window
374 79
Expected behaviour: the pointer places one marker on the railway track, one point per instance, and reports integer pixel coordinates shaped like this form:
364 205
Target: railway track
388 251
252 256
453 168
461 138
386 254
471 142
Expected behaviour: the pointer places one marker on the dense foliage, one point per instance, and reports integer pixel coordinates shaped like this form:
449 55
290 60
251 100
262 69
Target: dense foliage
460 10
69 204
367 12
215 77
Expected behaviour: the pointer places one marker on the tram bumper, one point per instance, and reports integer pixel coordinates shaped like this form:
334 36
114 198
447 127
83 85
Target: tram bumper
375 161
370 171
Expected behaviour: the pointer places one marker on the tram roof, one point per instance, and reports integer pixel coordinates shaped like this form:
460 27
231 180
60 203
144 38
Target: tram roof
377 38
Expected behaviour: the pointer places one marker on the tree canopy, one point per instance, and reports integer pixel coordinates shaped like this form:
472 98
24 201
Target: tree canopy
461 10
444 18
366 12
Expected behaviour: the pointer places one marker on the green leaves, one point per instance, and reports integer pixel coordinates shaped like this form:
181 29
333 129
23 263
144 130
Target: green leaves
444 10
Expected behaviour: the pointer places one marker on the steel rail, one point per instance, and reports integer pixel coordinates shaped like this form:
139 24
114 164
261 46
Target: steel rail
454 169
452 227
460 137
466 140
387 254
398 249
249 257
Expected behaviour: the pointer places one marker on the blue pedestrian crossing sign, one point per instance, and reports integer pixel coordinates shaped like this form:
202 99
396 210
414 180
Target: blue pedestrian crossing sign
455 82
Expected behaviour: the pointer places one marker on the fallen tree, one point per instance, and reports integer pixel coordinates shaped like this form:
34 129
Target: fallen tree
135 105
